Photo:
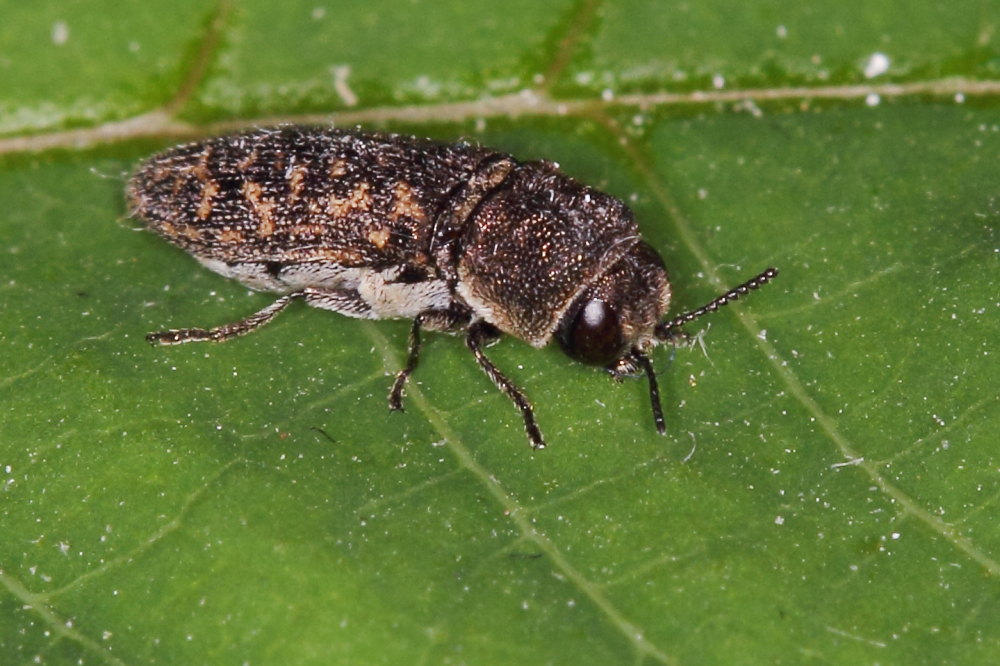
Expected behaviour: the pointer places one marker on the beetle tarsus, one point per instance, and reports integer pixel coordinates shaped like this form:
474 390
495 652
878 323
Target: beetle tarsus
479 333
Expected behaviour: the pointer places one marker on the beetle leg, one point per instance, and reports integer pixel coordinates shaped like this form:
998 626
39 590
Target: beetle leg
479 333
654 390
435 320
226 331
321 298
396 394
624 367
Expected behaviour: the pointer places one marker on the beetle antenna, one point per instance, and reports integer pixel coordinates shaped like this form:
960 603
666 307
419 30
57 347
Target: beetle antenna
654 390
665 330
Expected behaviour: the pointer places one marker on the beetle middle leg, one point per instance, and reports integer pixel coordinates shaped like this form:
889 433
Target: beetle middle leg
479 333
435 320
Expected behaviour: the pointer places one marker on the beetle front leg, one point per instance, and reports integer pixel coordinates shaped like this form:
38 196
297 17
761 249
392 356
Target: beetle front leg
630 365
654 390
479 333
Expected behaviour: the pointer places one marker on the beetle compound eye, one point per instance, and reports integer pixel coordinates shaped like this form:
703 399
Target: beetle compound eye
594 334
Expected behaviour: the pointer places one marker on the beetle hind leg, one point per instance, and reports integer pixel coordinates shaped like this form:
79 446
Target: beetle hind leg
178 336
479 333
329 299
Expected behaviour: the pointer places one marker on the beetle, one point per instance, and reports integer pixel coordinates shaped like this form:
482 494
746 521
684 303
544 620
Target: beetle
456 237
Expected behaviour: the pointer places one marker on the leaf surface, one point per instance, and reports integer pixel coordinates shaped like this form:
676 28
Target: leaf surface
827 487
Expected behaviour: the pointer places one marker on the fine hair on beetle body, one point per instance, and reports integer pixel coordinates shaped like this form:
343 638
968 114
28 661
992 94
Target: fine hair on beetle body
456 237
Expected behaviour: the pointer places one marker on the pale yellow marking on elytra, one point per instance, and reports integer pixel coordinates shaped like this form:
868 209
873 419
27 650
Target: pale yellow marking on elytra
230 235
379 237
296 181
359 200
264 208
247 161
338 168
208 191
405 203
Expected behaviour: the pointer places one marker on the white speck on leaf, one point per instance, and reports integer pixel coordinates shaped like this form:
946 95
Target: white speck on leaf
60 33
340 74
852 461
876 65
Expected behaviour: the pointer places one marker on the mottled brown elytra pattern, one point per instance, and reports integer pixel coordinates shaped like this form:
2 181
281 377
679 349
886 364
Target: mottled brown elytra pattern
454 236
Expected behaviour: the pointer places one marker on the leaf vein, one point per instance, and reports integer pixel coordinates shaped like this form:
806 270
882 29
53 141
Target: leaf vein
145 545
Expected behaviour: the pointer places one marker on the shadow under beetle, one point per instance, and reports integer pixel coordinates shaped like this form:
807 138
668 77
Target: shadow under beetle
458 237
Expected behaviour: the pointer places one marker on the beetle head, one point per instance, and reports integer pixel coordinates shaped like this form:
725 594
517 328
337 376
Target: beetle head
617 318
618 313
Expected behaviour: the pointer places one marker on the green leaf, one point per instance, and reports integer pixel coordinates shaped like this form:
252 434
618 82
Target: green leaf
827 488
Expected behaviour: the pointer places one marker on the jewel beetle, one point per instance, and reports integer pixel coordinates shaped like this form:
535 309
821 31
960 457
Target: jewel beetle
457 237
